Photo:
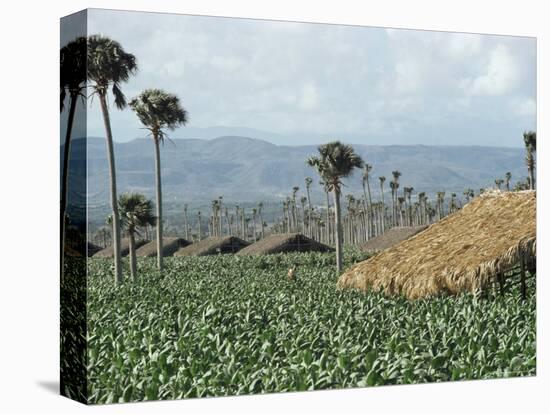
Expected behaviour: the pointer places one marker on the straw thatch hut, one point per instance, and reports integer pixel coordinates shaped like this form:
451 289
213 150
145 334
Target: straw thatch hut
466 251
69 251
390 238
213 245
284 243
92 248
170 245
124 248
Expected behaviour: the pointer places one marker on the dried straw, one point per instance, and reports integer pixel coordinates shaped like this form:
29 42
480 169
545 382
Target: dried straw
390 238
213 245
463 252
283 243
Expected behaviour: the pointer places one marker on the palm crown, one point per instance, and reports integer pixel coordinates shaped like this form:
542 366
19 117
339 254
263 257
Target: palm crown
530 140
135 211
72 68
109 65
157 110
334 162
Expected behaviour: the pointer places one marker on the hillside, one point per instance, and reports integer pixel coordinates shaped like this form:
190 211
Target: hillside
245 169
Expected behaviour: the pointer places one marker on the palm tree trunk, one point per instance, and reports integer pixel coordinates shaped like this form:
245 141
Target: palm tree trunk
531 168
186 226
309 211
261 226
133 260
254 226
113 193
65 178
159 204
328 219
371 216
339 253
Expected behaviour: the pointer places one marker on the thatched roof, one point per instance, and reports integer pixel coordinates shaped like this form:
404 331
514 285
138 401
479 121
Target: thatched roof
282 243
213 245
69 251
170 245
390 238
92 248
124 248
463 252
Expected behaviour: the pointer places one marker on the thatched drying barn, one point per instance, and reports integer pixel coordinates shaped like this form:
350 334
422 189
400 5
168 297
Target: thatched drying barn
170 245
69 251
284 243
92 249
213 245
390 238
124 248
466 251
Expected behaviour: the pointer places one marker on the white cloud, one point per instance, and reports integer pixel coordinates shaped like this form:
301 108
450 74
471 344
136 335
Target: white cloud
226 63
309 98
501 74
526 107
313 78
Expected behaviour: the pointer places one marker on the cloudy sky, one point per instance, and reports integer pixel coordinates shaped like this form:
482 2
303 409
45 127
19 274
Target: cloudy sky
301 83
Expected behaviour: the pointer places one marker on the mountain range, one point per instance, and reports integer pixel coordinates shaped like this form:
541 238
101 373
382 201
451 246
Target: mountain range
243 169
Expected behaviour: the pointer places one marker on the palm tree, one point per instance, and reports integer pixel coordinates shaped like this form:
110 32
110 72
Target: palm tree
308 181
135 211
440 200
396 174
383 206
158 110
254 212
185 222
508 177
108 66
530 140
72 81
368 202
260 207
303 201
328 225
408 193
294 210
200 225
334 162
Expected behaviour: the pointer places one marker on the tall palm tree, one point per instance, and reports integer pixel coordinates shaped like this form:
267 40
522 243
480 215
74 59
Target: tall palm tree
368 201
295 190
158 110
200 226
72 58
383 206
260 207
530 141
408 193
108 66
308 181
334 162
254 212
440 200
185 224
135 211
328 226
396 174
508 177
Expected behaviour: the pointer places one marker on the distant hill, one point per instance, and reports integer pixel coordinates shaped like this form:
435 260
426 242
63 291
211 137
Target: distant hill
246 169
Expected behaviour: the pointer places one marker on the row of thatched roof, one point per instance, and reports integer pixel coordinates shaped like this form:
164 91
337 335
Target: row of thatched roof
465 251
175 246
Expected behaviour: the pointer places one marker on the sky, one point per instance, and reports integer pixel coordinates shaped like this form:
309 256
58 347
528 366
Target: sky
303 83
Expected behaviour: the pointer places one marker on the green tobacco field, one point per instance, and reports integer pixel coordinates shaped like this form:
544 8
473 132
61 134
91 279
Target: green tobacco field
224 325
